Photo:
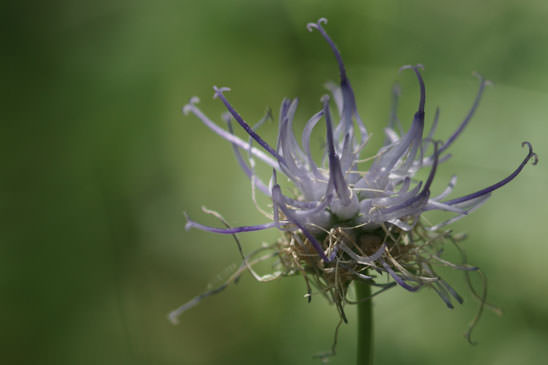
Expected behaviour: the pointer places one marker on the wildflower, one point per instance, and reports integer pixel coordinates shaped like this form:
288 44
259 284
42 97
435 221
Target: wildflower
345 224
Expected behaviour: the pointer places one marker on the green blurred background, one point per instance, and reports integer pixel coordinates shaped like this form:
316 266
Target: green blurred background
99 164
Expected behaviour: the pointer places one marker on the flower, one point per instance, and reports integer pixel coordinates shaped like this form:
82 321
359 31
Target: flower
345 224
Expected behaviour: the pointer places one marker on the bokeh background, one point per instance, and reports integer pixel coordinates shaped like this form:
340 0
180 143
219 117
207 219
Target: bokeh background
99 164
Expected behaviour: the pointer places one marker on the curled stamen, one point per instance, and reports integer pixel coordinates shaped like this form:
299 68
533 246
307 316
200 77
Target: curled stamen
335 171
411 67
349 100
220 91
192 224
247 170
311 26
318 26
531 154
382 167
188 107
248 129
487 190
421 84
192 108
266 118
483 83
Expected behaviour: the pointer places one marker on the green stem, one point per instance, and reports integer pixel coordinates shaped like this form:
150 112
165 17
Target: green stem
365 323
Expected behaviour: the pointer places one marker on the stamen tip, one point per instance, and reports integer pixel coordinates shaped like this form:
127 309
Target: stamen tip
188 224
188 107
483 79
172 317
311 26
411 67
531 155
219 91
404 67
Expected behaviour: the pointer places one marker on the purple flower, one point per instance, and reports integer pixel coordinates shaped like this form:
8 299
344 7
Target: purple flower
346 224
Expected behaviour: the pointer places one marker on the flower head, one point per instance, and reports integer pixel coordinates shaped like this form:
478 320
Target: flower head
345 224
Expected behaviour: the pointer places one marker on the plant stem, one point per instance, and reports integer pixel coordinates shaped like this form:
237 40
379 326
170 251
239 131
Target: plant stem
365 323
